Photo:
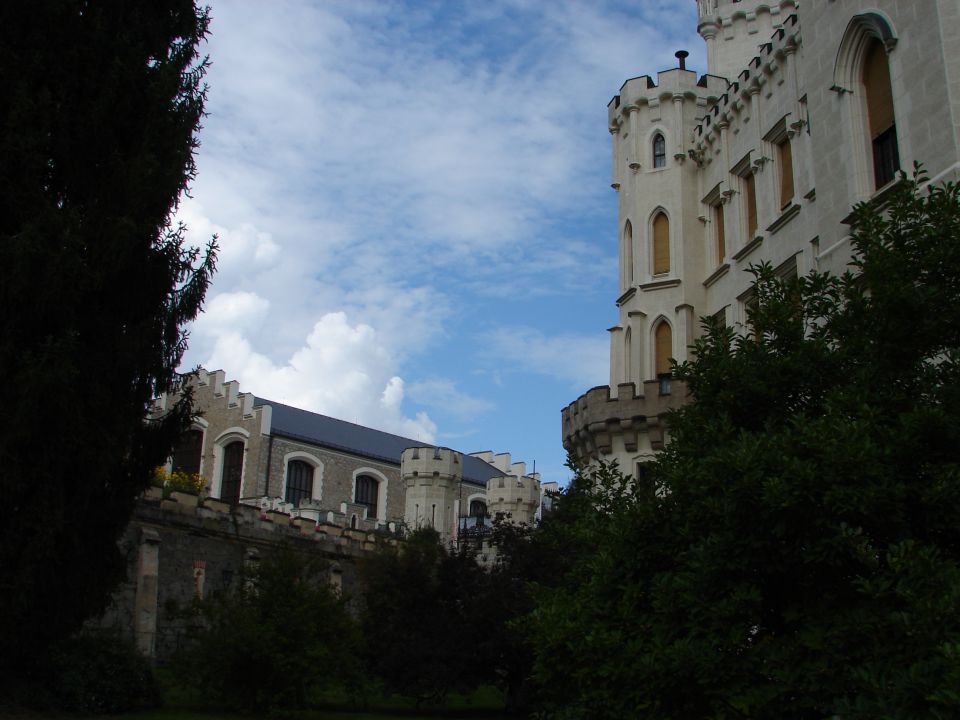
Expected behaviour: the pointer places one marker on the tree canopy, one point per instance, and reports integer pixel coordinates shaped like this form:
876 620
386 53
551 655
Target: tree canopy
98 130
799 556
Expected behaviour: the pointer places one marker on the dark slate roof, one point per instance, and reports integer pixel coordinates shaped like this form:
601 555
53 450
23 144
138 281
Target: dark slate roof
336 434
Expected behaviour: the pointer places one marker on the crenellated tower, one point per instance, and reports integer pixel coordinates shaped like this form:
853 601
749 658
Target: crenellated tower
515 495
663 259
432 477
735 29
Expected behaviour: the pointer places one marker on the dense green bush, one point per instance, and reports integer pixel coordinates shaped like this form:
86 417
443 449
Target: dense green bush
101 674
277 641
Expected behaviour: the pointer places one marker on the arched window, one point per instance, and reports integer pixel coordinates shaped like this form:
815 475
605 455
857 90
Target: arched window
299 482
478 509
231 472
628 254
659 151
628 356
880 119
661 244
663 341
186 455
366 494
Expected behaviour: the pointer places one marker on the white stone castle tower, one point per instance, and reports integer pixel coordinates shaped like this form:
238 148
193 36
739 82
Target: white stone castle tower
436 495
516 495
432 478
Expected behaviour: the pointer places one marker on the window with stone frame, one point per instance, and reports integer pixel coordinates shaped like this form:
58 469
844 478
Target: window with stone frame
231 472
661 244
188 452
659 151
299 482
880 114
365 493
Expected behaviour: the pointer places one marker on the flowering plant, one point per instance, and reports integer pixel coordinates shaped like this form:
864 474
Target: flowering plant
178 480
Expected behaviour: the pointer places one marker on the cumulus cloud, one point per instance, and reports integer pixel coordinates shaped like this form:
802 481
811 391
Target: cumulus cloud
342 370
399 169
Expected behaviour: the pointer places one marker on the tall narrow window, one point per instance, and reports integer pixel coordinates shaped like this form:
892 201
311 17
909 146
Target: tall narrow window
664 343
883 130
628 356
785 161
186 456
232 472
661 244
628 255
366 494
721 234
750 198
299 482
478 509
659 151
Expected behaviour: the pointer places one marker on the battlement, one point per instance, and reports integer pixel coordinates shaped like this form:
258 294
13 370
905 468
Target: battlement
592 421
730 29
269 518
642 91
431 462
750 80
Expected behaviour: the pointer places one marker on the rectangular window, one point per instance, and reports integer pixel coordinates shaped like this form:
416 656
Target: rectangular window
721 234
786 173
750 200
886 158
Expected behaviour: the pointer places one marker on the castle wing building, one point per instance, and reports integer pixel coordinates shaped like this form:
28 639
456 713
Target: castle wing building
804 111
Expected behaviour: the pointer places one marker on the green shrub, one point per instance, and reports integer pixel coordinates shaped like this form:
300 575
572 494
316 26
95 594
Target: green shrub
102 674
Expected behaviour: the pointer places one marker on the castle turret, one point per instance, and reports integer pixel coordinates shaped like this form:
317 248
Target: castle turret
734 29
516 495
432 478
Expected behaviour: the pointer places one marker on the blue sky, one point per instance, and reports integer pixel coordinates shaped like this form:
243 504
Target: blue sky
413 201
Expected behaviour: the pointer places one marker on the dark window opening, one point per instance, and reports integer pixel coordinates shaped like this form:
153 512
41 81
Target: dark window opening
299 482
659 151
665 385
186 456
886 157
366 494
478 509
232 472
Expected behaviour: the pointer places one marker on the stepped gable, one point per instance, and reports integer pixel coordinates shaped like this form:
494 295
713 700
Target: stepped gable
349 437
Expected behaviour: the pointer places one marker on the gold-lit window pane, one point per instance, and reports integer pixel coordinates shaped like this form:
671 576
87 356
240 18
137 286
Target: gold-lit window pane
876 80
663 339
750 191
786 174
661 244
721 234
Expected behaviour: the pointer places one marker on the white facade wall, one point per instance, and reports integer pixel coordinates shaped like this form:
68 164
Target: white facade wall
789 72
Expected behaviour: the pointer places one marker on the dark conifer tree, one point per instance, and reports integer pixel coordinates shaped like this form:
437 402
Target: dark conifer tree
102 103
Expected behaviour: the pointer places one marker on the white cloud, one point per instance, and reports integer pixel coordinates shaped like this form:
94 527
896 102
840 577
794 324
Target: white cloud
581 360
442 393
342 370
409 165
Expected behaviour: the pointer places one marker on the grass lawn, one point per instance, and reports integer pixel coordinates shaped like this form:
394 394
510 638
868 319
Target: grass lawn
485 704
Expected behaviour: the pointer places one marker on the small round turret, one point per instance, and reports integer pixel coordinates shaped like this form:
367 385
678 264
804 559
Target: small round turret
431 478
515 497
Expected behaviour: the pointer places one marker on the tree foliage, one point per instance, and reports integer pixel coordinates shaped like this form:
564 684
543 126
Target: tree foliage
419 618
799 558
280 638
98 129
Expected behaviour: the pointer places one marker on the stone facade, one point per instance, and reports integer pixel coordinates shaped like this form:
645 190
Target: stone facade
759 160
180 549
346 475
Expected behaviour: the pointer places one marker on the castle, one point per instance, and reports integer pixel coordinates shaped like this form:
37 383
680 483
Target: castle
260 453
806 109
